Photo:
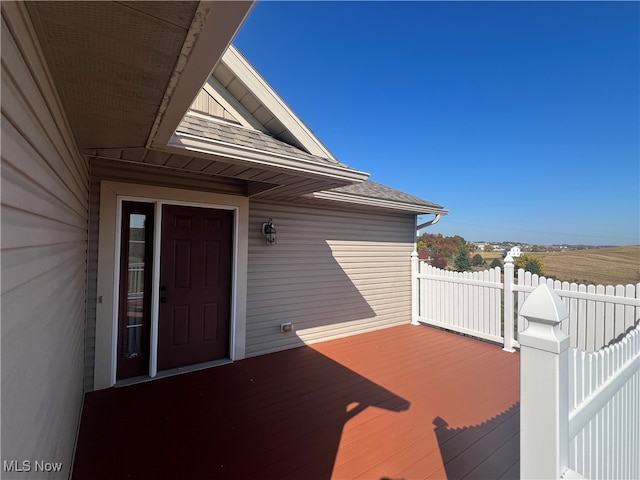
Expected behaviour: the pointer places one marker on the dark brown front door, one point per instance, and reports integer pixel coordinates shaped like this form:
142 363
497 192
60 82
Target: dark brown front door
195 286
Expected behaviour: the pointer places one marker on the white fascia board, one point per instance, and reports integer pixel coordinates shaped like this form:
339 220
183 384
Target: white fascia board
273 102
214 26
377 202
192 143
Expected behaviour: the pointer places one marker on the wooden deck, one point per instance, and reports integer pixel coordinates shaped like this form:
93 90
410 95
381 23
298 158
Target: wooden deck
408 402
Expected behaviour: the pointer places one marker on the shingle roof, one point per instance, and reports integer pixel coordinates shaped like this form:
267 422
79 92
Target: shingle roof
254 139
369 189
236 135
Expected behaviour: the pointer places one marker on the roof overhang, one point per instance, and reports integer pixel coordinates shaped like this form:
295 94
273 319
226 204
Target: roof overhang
214 26
252 157
126 72
378 203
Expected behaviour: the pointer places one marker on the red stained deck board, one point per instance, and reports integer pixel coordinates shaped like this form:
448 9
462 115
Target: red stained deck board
403 402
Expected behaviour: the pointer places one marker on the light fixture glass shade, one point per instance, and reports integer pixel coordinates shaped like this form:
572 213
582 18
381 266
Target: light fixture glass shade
269 231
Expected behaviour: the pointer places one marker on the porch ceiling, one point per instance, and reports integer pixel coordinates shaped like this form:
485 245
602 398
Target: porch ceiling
122 69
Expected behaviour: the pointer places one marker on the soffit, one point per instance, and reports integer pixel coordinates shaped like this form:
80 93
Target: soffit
111 63
258 179
128 71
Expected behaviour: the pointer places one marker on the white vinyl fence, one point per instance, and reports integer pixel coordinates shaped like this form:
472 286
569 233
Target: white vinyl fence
465 302
485 305
598 315
580 412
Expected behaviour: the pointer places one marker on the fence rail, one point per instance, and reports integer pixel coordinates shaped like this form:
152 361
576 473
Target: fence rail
485 304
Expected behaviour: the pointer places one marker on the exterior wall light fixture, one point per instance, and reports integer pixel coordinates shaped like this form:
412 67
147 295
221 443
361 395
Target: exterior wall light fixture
269 231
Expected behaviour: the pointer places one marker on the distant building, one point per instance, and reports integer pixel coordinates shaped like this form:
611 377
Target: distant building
514 252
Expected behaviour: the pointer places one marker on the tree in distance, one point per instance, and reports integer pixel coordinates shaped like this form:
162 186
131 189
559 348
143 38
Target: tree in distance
438 261
477 260
496 263
459 241
462 261
530 263
436 243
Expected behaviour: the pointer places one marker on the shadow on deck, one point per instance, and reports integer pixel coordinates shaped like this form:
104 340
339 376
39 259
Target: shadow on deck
489 450
277 416
361 407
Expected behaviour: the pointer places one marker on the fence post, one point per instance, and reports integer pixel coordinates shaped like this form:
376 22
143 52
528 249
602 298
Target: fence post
415 287
544 401
508 308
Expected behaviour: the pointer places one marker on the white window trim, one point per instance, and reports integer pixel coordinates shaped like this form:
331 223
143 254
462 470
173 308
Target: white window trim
112 194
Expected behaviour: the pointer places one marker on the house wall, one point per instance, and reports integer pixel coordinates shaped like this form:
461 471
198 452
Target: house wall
44 239
332 273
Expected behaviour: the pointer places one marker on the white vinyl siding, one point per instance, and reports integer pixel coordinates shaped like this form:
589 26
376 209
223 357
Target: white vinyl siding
332 273
205 103
44 242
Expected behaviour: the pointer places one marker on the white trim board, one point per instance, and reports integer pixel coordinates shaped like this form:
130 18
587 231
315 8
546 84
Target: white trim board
112 194
272 102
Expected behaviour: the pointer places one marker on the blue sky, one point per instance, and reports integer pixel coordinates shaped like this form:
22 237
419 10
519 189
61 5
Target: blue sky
520 118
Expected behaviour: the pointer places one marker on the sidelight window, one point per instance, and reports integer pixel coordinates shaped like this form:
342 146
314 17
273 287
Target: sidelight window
136 259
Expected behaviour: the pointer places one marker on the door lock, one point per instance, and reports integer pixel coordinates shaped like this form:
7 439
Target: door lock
163 299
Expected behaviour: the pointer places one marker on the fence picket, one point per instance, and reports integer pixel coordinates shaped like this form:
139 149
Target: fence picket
591 321
630 312
521 296
573 316
599 328
478 323
582 314
609 316
619 323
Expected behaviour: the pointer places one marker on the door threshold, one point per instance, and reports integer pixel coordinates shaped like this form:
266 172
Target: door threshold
172 372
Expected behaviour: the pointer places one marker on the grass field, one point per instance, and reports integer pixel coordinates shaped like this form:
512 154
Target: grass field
597 266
